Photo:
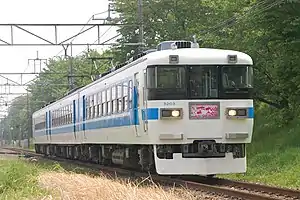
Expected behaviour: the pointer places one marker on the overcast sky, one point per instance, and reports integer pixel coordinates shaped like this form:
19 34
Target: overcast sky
15 59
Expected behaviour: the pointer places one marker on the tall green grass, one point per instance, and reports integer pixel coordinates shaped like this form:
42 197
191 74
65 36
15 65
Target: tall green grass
19 180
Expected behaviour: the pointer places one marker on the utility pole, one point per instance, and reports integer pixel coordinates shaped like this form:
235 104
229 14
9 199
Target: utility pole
69 58
141 24
71 69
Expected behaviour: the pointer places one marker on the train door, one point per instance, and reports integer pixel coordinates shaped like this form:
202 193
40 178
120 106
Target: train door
74 119
83 115
138 104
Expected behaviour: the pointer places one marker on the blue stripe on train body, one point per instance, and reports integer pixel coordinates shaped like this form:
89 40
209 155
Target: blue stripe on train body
116 121
251 112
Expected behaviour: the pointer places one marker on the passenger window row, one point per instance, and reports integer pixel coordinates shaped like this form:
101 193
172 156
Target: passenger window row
112 100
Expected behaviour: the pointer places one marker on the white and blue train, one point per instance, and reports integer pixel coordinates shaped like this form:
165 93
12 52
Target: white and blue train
177 110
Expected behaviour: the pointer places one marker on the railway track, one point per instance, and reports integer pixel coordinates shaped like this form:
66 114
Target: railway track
223 187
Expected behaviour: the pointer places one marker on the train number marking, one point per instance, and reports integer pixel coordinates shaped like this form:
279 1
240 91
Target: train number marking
169 103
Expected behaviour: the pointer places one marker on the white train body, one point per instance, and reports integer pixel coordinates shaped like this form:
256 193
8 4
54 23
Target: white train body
193 117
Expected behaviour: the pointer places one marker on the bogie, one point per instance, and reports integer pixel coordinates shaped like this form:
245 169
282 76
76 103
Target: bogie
127 156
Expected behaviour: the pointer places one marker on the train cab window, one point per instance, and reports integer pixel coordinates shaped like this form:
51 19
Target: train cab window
119 97
114 99
237 77
203 81
166 82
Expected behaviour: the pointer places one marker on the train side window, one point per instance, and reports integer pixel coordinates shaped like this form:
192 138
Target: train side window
71 113
57 116
68 114
125 96
65 115
104 110
130 89
95 106
108 100
113 99
99 111
87 102
62 116
91 106
53 118
119 97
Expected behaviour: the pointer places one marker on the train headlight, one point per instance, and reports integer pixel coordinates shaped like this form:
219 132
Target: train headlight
232 112
175 113
171 113
236 112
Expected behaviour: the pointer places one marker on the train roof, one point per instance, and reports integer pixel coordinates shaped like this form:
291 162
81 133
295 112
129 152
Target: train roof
203 56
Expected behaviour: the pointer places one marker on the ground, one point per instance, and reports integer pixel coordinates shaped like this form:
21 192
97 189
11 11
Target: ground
21 179
273 157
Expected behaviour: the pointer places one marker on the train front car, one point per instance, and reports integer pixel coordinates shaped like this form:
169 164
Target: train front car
199 110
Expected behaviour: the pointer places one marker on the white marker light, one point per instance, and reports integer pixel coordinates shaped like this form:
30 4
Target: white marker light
175 113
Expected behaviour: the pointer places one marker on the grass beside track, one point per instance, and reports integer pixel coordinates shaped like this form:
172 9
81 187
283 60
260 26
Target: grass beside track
22 179
273 157
18 180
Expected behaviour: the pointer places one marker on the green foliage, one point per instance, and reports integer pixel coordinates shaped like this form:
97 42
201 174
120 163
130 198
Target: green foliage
18 180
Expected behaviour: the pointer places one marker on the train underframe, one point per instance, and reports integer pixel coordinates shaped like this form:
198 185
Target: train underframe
128 156
139 157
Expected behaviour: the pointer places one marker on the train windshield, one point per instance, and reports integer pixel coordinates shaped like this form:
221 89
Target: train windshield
198 82
237 77
166 77
166 82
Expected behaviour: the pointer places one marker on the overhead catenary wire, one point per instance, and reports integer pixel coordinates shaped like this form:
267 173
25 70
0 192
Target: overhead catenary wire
237 19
